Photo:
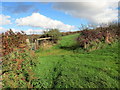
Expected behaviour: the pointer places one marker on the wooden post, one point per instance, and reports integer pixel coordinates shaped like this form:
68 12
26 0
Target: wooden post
85 45
107 37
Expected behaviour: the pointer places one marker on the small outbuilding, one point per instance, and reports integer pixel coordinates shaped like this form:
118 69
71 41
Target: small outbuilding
42 42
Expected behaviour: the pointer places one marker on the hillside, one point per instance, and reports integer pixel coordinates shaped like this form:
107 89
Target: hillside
67 66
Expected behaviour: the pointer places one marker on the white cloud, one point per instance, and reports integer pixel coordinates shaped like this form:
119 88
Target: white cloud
38 20
16 30
99 11
4 20
27 31
32 31
2 30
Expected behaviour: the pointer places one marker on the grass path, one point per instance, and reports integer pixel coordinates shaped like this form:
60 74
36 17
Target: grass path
62 67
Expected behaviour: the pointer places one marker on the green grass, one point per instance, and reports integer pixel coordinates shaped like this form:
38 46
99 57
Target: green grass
67 66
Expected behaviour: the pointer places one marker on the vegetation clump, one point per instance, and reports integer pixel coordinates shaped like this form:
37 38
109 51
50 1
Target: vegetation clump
17 62
54 34
94 39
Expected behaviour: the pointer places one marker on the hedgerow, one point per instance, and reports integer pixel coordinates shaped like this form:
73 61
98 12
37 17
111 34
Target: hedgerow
94 39
54 34
17 61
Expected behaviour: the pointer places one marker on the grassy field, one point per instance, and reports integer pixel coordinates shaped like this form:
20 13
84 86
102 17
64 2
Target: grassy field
67 66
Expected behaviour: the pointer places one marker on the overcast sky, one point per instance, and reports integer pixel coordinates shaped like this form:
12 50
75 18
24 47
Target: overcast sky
66 16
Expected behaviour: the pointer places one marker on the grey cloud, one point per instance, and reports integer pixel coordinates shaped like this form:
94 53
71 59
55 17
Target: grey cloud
94 12
18 8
